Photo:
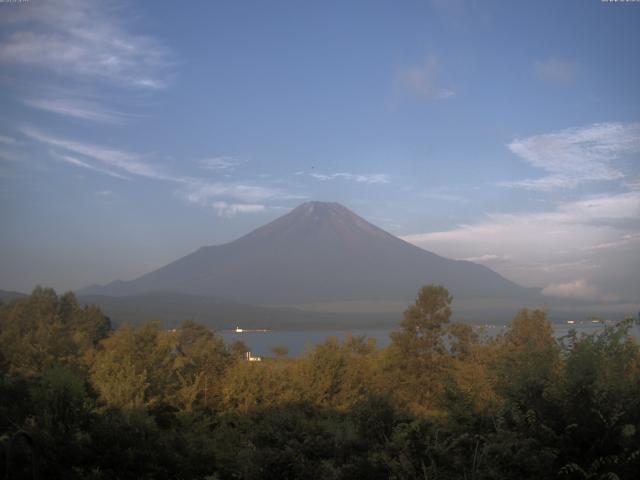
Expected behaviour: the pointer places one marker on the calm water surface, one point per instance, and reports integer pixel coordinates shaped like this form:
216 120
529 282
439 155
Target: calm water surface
261 343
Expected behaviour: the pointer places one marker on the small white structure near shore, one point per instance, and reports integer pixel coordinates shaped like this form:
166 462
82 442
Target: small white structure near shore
249 358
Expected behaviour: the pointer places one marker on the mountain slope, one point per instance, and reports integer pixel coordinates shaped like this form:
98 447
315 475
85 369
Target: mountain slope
6 295
318 252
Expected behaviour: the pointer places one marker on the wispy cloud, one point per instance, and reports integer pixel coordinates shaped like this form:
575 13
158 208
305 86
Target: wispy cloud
220 163
622 242
633 184
580 289
375 178
576 155
125 161
228 210
7 140
81 109
79 163
423 80
488 258
598 211
555 70
576 239
82 38
226 198
203 193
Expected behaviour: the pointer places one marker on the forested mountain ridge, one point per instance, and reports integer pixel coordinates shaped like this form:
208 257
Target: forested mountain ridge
172 308
6 295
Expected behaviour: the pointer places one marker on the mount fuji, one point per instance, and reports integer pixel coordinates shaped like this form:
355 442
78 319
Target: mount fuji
318 252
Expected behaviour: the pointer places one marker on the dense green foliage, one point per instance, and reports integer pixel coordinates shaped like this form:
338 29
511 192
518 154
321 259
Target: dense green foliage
79 400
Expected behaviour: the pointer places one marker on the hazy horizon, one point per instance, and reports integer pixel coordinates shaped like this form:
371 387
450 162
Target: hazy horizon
506 134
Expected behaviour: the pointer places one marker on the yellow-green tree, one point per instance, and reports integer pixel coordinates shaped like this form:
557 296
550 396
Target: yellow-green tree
42 330
133 367
528 361
200 359
417 357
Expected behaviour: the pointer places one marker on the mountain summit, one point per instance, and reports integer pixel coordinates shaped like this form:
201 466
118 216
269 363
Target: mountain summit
318 252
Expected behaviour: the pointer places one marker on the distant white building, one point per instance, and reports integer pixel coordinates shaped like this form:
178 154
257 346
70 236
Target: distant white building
249 358
238 329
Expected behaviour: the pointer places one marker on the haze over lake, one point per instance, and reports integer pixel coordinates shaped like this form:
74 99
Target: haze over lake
299 341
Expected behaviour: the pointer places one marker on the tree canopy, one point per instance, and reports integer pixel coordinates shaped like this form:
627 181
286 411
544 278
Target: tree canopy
80 400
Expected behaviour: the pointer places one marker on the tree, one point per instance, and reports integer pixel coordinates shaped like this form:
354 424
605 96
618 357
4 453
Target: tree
280 351
417 358
61 421
132 367
42 330
600 400
257 385
200 362
424 321
528 359
334 374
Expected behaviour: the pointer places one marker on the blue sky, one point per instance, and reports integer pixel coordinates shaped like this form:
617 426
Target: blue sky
505 132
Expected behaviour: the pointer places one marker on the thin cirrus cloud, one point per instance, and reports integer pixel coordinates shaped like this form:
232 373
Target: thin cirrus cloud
575 240
423 80
444 194
195 191
79 163
625 240
82 38
224 162
633 184
204 193
224 209
118 159
575 156
375 178
80 109
487 258
601 215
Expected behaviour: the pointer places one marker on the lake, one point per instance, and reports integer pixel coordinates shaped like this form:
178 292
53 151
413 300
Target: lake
261 343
